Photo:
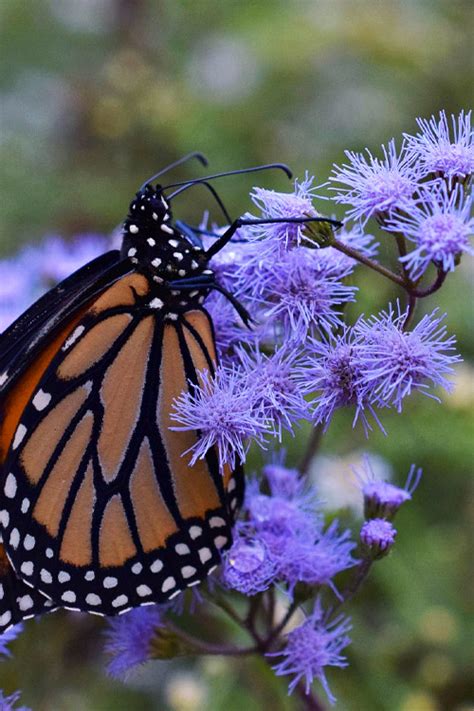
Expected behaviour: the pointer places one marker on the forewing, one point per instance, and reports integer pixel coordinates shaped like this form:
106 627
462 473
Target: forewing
103 511
21 343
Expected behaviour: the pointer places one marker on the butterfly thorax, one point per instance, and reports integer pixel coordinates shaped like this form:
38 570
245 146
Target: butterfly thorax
155 246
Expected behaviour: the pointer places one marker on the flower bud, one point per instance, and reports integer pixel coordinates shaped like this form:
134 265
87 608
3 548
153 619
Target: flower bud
378 536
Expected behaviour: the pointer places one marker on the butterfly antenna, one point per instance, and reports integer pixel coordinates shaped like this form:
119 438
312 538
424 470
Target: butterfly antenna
211 190
199 156
256 169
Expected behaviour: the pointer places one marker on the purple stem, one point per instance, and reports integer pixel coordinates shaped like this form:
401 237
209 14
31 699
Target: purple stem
437 284
310 701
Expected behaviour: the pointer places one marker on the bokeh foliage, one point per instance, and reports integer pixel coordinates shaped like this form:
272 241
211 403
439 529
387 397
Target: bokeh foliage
99 94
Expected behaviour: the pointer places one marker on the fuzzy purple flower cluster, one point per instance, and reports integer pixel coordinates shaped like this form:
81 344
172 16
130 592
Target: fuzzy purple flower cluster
301 359
282 538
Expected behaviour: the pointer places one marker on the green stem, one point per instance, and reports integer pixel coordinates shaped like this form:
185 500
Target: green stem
198 646
348 593
275 633
355 254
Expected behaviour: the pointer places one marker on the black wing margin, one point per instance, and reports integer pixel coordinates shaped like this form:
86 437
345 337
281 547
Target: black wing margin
20 343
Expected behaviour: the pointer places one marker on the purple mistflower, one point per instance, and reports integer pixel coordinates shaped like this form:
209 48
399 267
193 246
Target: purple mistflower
376 187
378 535
56 258
332 374
271 380
439 150
382 499
394 362
222 410
8 637
7 703
301 297
280 516
248 566
129 639
311 647
284 482
235 256
316 560
229 329
16 292
272 204
440 224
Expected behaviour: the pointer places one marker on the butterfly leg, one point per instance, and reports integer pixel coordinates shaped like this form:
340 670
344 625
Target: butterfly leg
204 282
243 222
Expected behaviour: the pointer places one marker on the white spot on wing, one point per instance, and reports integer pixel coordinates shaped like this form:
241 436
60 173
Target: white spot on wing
220 541
188 571
27 567
156 566
19 436
110 582
156 303
25 602
68 596
10 486
3 378
41 400
29 542
143 590
205 554
73 337
5 618
169 584
182 549
195 531
93 599
14 538
133 229
4 518
216 522
119 601
46 576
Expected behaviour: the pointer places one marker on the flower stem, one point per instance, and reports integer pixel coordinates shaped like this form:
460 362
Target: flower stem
355 254
199 646
310 701
312 448
437 284
275 633
360 575
412 301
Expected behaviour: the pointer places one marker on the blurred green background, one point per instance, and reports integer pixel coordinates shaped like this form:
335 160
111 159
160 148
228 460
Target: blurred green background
97 95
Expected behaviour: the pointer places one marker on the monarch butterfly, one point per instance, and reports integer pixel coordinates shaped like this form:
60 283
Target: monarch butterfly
99 508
